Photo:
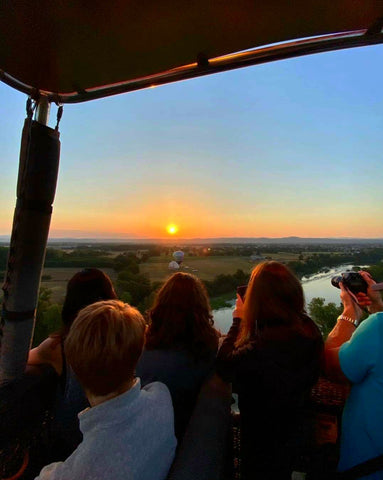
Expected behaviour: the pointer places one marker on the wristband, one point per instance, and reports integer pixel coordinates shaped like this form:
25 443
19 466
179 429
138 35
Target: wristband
348 319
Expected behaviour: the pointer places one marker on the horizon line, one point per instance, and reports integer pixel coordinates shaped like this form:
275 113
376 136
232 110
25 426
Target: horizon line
180 239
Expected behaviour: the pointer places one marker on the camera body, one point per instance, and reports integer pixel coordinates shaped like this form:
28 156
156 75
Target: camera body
352 280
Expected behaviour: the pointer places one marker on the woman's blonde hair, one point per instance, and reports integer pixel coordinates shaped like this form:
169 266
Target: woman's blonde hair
273 297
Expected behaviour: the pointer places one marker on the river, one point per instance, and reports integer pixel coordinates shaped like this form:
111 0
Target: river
317 285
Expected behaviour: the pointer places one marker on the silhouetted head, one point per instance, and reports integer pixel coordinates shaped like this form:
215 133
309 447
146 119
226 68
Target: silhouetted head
84 288
274 297
181 317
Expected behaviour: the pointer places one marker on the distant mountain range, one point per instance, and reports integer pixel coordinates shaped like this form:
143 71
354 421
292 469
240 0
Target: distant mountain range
214 240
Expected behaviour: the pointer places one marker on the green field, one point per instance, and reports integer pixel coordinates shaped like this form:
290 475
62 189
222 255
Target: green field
205 268
59 280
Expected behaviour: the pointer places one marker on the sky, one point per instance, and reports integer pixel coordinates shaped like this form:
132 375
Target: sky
289 148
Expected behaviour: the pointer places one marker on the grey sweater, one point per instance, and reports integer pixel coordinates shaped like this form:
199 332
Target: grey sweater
130 437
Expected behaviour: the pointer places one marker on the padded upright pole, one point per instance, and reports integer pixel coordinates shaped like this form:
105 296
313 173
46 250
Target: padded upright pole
36 186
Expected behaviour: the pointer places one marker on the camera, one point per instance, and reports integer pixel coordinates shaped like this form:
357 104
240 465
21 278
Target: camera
351 280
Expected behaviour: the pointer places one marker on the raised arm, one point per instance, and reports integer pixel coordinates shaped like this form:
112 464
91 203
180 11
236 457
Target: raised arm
226 355
49 351
341 333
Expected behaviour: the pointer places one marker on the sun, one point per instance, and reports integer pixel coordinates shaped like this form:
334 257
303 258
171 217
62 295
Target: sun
172 229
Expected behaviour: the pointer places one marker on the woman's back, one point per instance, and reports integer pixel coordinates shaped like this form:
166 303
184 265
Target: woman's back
273 376
181 343
273 357
183 376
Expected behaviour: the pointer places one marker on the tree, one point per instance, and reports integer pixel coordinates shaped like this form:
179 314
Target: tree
324 315
126 262
48 316
137 286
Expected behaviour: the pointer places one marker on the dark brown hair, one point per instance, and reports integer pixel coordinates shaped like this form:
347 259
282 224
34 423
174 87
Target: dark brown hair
181 317
274 297
84 288
104 344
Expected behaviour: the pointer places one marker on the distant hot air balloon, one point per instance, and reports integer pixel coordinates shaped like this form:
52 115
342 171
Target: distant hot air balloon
178 256
173 265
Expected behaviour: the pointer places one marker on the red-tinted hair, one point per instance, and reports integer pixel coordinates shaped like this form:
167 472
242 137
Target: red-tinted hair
274 297
181 317
104 344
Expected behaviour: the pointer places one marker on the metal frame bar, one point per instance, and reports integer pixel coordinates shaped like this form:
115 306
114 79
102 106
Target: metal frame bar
325 43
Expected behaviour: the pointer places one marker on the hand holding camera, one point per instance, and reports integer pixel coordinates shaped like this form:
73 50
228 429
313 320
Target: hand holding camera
361 288
351 309
372 298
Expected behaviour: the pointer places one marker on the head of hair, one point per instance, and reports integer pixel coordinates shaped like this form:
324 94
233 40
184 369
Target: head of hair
104 344
84 288
273 297
181 317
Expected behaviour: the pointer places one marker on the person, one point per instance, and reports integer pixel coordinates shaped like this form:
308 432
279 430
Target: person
181 343
272 355
84 288
128 431
355 354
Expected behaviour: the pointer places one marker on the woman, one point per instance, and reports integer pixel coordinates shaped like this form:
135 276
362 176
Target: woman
181 343
272 354
84 288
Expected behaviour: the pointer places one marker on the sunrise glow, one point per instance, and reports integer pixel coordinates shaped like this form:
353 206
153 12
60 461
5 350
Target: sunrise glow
219 157
172 229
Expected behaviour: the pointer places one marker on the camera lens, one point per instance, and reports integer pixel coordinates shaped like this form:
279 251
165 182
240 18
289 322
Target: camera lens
335 281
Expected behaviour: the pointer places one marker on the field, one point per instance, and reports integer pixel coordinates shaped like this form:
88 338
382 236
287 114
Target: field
156 268
205 268
59 280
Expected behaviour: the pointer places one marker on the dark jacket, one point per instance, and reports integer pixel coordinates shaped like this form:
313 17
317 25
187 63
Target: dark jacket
273 375
182 374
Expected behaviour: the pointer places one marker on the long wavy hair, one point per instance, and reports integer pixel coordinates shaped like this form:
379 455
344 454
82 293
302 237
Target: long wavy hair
181 318
85 288
273 297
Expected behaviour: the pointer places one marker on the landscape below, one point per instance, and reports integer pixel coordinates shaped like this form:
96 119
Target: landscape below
137 270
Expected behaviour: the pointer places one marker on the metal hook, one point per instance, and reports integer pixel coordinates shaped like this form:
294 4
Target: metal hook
60 111
29 107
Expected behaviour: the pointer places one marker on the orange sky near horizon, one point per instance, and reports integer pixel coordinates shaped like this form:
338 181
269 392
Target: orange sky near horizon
290 148
201 223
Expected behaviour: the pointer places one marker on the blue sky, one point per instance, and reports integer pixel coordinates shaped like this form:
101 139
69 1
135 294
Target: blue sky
286 148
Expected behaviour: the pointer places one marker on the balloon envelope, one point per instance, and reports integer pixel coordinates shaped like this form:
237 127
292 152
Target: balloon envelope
178 256
173 265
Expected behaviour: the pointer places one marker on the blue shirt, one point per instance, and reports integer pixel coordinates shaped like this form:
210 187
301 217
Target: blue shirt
361 360
130 437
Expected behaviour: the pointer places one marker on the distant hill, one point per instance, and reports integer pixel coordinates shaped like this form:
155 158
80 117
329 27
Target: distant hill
214 240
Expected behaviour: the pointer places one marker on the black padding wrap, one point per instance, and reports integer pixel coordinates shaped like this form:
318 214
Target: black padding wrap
35 205
17 316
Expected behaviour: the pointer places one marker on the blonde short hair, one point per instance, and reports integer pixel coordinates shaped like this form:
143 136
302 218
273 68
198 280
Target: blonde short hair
104 344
